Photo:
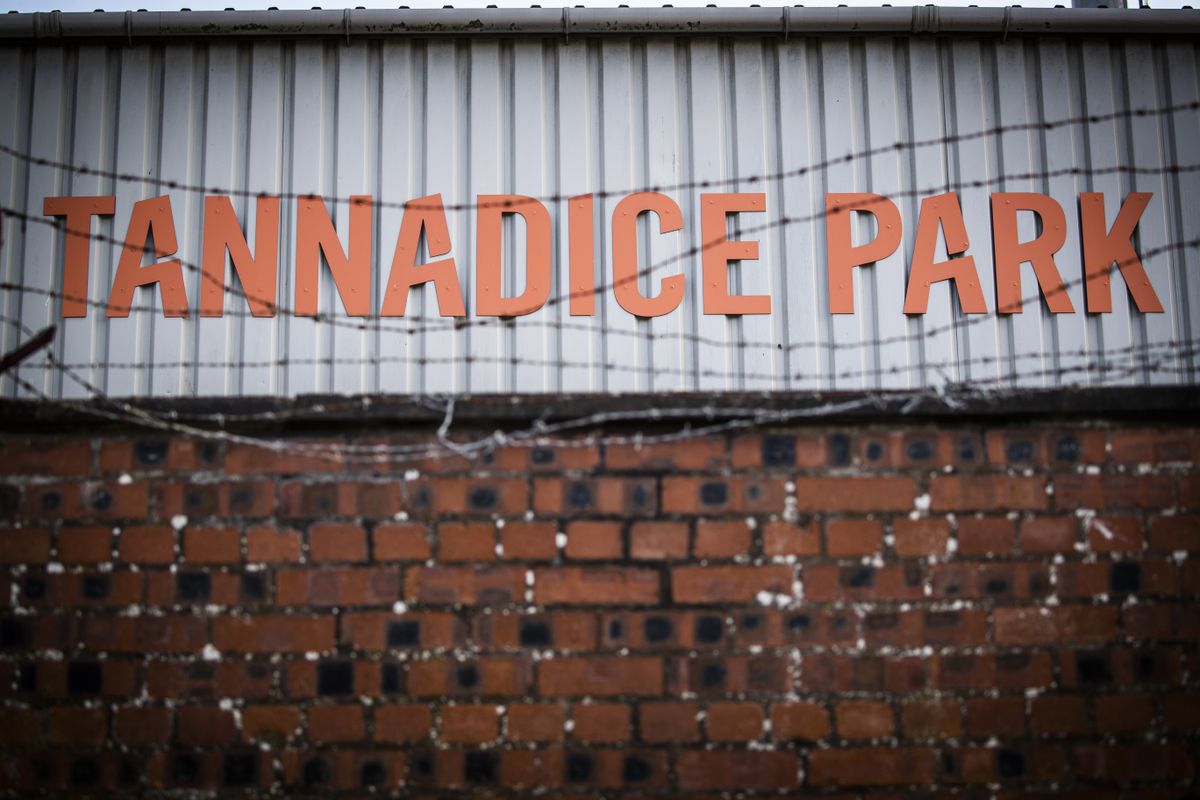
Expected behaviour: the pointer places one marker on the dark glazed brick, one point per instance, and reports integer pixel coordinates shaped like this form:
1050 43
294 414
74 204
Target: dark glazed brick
372 773
201 500
480 767
240 769
50 501
482 498
316 772
404 633
1093 668
712 676
1125 576
799 623
335 678
919 450
535 633
714 493
616 629
635 769
1067 449
128 772
10 500
421 768
639 497
967 449
84 677
207 452
709 629
254 586
1010 764
542 456
27 678
185 770
1020 450
392 681
779 451
751 622
839 450
241 500
466 676
193 587
1013 662
84 772
579 768
34 588
579 496
101 500
995 586
150 452
94 587
857 577
13 633
658 629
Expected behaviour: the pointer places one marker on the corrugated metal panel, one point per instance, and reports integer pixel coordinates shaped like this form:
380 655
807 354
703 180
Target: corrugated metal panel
399 119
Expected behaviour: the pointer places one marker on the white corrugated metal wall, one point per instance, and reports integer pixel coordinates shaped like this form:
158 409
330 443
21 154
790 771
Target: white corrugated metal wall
402 118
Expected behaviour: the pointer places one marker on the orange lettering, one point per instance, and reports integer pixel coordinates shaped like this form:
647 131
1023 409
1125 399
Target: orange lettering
1039 251
718 252
79 212
843 255
258 273
625 256
1101 249
582 235
942 211
428 214
490 235
150 218
351 268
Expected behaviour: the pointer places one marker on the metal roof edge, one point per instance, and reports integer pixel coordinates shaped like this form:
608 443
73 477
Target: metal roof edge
350 24
1162 404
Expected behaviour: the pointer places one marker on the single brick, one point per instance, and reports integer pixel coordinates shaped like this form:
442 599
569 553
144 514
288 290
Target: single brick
658 540
808 722
721 539
529 541
601 722
733 584
668 721
587 540
596 585
469 724
853 537
271 545
734 721
466 542
336 541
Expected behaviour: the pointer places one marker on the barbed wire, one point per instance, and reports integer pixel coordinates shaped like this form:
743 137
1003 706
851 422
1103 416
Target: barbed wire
539 434
653 371
444 324
955 326
1144 359
820 166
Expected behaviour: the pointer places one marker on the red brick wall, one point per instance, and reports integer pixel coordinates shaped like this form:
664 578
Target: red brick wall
820 609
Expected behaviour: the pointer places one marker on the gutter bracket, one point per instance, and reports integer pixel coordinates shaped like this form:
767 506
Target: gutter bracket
346 25
925 19
129 28
787 22
1007 20
566 23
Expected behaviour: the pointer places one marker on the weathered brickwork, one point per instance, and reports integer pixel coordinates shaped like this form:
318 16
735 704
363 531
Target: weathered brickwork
856 610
